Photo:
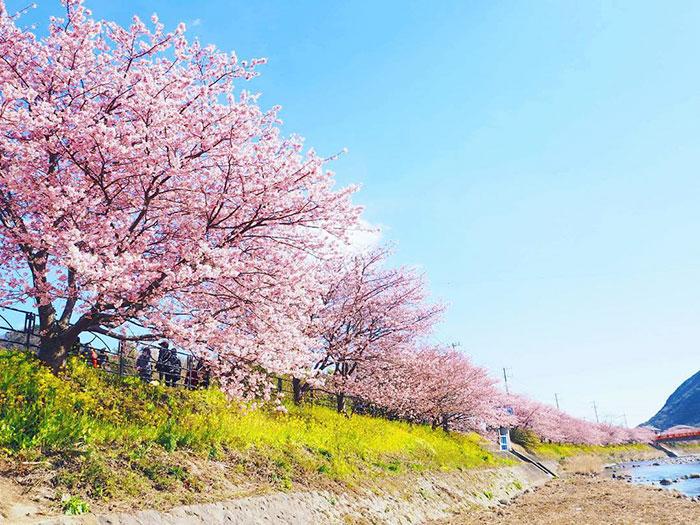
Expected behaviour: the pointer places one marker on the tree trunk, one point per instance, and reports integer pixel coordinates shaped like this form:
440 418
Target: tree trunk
340 402
53 351
297 390
58 335
445 424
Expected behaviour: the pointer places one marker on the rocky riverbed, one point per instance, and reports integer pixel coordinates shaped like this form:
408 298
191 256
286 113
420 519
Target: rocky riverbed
680 474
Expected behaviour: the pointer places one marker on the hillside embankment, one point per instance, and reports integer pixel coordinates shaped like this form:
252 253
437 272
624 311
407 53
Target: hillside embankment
427 498
685 447
399 500
460 496
119 451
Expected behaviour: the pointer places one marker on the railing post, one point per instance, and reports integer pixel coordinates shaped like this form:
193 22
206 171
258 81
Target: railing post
121 358
188 374
29 323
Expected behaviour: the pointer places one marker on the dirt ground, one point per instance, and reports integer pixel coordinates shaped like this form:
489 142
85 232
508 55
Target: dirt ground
584 499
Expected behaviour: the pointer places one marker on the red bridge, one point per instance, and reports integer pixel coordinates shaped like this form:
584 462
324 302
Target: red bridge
679 435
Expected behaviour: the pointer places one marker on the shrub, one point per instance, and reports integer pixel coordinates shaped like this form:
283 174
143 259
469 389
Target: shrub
524 437
73 505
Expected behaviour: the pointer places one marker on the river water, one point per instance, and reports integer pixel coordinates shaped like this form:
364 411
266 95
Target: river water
680 472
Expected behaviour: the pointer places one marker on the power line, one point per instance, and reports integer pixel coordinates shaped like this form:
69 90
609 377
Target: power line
595 409
556 399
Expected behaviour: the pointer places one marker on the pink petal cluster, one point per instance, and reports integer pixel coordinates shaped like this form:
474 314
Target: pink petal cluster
440 386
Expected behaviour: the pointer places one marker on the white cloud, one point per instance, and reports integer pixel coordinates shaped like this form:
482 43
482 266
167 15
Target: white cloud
196 22
365 237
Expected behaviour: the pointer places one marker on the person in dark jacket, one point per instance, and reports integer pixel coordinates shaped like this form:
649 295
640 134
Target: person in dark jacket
143 364
163 358
173 369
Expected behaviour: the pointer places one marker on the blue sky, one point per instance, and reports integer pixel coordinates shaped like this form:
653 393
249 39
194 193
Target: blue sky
538 159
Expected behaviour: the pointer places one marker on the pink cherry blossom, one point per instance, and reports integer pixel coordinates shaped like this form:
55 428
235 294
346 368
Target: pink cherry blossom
138 188
143 193
366 311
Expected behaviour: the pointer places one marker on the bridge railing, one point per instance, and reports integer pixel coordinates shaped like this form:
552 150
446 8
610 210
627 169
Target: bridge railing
688 434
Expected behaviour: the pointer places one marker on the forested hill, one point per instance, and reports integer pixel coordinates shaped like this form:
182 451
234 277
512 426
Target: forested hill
682 407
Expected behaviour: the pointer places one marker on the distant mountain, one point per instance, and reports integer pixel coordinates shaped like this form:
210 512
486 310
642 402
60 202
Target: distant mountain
681 408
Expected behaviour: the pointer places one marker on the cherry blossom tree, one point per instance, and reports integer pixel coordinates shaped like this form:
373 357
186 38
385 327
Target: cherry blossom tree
139 189
440 386
142 196
367 311
553 425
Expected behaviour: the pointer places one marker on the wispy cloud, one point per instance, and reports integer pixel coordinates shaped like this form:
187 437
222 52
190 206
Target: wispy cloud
196 22
365 237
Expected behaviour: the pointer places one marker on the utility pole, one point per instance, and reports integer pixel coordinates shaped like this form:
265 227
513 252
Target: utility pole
505 379
595 409
624 417
556 399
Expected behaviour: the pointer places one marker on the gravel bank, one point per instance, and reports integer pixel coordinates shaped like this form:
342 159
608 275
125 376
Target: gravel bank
583 499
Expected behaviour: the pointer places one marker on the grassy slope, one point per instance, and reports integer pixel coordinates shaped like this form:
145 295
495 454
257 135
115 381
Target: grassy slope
112 439
563 451
559 451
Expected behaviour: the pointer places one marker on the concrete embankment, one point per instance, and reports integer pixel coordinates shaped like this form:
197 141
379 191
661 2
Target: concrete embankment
419 498
666 449
404 500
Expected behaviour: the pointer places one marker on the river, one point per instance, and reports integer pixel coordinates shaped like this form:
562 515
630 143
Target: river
681 474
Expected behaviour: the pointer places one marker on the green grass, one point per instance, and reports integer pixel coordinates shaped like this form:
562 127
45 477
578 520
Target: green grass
72 505
109 437
560 451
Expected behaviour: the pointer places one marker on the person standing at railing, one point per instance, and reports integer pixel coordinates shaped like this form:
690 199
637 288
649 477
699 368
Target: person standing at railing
197 375
143 364
102 359
163 358
89 355
173 369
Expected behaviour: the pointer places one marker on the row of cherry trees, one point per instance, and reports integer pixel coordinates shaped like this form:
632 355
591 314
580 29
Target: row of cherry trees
554 425
143 196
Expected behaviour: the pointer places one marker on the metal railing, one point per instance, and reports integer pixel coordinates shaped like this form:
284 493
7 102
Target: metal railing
109 354
18 328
